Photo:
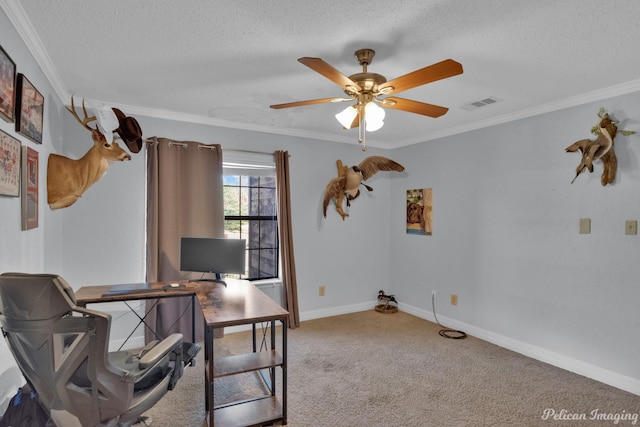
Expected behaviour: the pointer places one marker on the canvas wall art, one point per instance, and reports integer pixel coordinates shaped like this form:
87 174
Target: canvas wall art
29 188
419 211
30 111
7 86
9 165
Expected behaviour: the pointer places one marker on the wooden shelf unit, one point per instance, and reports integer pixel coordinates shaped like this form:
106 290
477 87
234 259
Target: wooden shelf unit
254 413
249 307
249 362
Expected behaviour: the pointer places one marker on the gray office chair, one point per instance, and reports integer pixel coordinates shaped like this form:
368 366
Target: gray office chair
62 351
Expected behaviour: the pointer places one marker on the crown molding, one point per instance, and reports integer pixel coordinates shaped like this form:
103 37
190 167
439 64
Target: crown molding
21 23
597 95
18 18
205 120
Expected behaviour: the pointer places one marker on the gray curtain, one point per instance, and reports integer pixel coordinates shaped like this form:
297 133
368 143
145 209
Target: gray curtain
184 198
285 228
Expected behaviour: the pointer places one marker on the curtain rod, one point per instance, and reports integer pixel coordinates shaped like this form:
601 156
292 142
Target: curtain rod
184 145
245 151
251 151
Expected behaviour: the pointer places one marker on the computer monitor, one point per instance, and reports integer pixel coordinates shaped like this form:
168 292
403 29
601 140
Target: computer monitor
213 255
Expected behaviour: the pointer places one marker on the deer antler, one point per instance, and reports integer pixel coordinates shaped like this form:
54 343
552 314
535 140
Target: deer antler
87 119
68 179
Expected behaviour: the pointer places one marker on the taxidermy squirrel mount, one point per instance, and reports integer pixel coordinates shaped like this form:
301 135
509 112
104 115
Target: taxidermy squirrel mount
349 179
600 148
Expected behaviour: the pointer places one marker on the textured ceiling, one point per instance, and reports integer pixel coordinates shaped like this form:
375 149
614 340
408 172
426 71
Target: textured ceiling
225 62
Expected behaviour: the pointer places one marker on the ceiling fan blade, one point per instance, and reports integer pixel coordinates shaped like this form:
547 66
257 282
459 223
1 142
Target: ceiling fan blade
319 66
310 102
432 73
416 107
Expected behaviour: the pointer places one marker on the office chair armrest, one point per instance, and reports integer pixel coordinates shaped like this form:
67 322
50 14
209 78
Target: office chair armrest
160 350
89 312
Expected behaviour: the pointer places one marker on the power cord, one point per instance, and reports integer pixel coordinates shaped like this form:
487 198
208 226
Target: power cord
446 332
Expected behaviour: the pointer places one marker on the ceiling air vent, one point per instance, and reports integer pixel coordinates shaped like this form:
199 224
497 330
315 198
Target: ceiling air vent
474 105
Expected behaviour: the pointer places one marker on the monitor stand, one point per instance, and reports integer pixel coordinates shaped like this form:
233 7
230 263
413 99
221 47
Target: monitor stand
218 279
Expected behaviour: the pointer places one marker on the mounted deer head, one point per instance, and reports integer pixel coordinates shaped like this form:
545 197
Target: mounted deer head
68 179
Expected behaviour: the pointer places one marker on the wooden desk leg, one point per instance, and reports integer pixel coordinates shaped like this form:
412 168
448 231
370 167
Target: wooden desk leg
273 347
193 319
284 371
253 330
208 371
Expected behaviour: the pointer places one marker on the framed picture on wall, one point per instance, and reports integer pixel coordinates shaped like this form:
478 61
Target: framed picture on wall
9 165
7 86
29 188
30 110
419 211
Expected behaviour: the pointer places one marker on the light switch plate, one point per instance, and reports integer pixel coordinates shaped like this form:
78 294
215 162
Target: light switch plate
631 227
585 225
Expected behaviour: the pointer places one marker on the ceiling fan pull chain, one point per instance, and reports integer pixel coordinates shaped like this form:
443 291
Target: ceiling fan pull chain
362 132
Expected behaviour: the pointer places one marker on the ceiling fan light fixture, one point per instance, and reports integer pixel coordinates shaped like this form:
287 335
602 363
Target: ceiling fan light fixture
365 87
373 126
373 116
347 116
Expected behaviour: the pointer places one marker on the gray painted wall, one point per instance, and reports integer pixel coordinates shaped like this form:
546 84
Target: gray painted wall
506 240
505 230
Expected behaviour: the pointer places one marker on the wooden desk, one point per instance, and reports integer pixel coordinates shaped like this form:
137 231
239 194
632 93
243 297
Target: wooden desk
240 303
96 294
137 291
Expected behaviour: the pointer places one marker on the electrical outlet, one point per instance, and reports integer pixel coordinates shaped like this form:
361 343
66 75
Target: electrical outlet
454 299
631 227
585 225
321 290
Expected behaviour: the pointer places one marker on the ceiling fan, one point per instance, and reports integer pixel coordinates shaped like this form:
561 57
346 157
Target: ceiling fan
367 89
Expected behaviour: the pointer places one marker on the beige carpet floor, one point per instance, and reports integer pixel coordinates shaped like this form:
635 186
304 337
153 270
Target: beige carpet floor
375 369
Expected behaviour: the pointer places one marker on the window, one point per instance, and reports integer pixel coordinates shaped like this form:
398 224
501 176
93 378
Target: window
250 214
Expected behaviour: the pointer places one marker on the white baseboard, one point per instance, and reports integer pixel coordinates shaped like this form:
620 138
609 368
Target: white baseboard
579 367
316 314
336 311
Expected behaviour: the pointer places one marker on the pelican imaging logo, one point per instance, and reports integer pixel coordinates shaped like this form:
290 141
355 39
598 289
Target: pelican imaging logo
597 415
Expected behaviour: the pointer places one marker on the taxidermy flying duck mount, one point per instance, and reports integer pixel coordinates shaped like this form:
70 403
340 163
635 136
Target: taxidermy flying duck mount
347 183
600 148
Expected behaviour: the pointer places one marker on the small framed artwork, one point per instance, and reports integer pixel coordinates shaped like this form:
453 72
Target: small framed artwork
30 110
29 188
7 86
9 165
419 211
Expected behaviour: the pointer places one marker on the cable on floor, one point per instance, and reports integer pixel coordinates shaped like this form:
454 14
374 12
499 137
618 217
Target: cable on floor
446 332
